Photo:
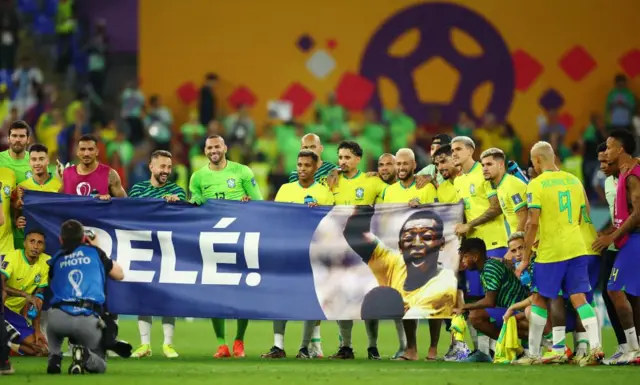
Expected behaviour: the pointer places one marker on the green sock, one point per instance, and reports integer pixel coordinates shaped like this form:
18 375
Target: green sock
219 328
242 328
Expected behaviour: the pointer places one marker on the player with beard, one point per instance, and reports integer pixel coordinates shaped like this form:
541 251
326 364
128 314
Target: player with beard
354 187
510 189
431 170
16 158
159 187
90 177
426 289
443 160
405 190
224 179
624 282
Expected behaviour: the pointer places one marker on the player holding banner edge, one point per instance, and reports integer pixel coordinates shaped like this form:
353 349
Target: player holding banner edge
224 179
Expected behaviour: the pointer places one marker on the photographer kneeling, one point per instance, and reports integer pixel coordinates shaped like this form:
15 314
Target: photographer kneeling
77 278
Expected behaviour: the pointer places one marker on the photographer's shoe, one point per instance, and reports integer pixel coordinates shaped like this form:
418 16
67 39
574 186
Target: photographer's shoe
55 365
79 357
6 369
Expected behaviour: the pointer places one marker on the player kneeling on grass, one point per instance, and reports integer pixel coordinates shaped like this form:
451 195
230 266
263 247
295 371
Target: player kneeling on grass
501 287
25 275
78 277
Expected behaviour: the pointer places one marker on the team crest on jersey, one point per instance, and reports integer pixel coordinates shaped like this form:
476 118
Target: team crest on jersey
309 199
231 183
7 190
28 174
359 193
37 279
517 199
472 189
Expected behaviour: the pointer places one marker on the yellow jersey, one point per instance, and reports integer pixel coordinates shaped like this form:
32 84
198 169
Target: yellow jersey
294 193
23 276
8 180
559 196
447 193
397 193
589 233
511 193
52 184
435 299
359 190
475 191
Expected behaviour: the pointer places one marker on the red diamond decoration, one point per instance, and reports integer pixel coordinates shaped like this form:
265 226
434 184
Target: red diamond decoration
187 93
527 69
332 44
577 63
299 96
354 91
567 120
242 95
630 63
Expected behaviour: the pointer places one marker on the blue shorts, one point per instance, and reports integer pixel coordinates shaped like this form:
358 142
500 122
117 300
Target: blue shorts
496 315
624 275
19 323
474 285
570 276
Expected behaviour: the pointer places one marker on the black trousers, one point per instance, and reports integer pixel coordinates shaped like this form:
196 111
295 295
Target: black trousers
4 338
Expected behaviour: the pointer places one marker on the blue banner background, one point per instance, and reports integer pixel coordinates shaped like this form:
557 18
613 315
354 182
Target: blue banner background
286 289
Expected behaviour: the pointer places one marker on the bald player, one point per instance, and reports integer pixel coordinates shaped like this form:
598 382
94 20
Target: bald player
555 199
312 142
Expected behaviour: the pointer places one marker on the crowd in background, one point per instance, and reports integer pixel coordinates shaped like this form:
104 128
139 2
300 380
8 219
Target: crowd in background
143 123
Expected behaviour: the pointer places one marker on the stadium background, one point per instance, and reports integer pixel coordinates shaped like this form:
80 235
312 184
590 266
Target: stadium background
517 60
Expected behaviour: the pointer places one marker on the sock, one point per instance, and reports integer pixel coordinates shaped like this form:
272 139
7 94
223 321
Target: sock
219 326
624 347
144 326
600 318
168 325
316 339
474 336
372 332
492 345
345 332
590 323
582 343
308 329
559 336
632 339
243 324
536 328
484 343
278 333
402 337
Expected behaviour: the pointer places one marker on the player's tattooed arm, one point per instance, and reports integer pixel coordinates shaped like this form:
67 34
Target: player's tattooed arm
13 292
115 185
633 197
357 232
493 211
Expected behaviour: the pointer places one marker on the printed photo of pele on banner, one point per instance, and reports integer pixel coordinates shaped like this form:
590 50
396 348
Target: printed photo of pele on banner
387 262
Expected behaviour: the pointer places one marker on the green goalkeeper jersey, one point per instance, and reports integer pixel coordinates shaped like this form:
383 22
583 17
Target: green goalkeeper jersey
233 182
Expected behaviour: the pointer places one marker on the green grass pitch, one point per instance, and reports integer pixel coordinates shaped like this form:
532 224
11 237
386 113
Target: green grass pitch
195 342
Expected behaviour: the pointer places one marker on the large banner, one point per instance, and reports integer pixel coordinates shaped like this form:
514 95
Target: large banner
266 260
